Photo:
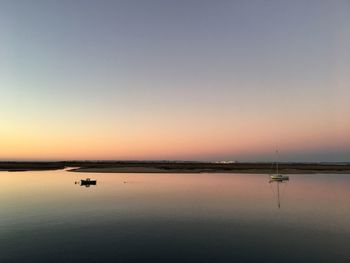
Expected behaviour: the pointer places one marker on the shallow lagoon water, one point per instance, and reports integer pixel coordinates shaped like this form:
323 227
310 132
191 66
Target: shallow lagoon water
46 217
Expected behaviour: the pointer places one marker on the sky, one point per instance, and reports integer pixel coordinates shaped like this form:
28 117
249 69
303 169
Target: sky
175 80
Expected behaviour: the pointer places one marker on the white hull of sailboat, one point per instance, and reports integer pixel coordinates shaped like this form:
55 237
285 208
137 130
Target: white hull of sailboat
279 177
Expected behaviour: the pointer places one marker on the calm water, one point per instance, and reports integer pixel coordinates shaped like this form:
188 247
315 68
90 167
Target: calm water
45 217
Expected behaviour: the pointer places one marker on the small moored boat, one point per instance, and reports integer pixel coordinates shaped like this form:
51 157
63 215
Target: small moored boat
279 177
88 181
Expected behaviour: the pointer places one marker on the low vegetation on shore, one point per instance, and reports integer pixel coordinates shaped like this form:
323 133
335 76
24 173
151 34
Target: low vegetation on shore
175 167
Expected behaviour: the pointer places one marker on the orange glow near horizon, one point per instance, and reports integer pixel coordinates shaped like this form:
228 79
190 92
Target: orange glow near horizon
188 142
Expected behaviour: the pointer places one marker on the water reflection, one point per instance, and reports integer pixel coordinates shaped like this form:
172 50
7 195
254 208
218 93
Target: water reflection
153 217
277 183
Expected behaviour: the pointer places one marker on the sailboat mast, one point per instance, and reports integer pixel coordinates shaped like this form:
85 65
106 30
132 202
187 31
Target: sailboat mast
277 161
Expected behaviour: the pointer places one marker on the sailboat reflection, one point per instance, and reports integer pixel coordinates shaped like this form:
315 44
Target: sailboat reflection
278 182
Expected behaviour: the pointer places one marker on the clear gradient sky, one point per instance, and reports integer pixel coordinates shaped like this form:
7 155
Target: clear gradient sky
190 80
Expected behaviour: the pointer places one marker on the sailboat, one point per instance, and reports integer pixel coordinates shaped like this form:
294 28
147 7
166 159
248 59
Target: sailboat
278 176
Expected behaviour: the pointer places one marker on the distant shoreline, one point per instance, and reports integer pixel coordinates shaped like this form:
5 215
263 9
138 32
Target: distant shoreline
176 167
247 171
